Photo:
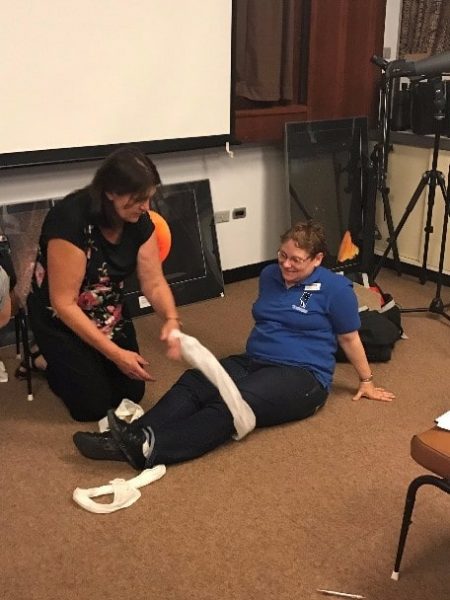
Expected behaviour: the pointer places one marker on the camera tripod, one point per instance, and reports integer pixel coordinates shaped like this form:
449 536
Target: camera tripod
432 179
380 154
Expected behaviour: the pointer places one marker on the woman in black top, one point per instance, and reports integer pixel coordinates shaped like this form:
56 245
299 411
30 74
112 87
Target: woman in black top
90 242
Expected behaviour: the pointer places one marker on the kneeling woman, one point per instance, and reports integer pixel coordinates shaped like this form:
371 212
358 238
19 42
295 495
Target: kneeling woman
90 242
302 312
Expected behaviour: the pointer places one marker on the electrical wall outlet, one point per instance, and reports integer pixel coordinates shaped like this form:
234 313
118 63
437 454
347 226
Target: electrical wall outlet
222 216
239 213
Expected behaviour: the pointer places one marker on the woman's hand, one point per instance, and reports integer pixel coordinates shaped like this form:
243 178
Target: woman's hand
354 350
173 343
132 364
368 390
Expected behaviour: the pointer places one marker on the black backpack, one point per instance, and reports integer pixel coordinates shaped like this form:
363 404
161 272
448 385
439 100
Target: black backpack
379 331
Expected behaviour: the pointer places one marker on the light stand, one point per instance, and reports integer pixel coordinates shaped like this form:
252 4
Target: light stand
380 153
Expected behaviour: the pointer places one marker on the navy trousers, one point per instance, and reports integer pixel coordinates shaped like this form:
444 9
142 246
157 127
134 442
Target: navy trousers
192 419
87 382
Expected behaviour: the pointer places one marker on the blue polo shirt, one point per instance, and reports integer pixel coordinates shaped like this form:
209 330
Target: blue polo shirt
298 325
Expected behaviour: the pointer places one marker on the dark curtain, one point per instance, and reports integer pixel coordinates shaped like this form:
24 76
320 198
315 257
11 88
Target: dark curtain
265 49
425 27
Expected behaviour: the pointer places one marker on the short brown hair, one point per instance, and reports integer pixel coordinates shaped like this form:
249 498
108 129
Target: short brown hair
309 236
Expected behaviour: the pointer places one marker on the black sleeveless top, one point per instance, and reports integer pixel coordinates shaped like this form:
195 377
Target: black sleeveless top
101 293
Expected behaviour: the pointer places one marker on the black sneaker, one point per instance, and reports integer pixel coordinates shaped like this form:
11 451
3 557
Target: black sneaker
99 446
129 439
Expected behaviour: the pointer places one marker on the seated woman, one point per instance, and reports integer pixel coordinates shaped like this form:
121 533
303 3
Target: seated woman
302 312
90 242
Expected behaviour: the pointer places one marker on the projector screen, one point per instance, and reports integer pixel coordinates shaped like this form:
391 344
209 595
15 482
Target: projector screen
79 77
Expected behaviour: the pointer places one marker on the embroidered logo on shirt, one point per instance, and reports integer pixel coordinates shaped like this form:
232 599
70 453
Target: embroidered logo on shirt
303 301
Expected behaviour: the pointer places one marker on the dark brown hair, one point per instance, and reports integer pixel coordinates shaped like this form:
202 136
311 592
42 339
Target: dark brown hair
125 171
309 236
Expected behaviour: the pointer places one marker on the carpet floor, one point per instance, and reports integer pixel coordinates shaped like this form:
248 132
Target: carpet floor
287 510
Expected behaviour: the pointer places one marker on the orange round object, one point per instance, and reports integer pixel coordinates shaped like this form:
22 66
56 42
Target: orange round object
163 235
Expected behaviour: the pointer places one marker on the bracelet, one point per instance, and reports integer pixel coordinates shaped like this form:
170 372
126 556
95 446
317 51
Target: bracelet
366 379
180 322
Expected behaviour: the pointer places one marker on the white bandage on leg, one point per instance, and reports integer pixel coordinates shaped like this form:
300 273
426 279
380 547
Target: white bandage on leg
125 493
201 358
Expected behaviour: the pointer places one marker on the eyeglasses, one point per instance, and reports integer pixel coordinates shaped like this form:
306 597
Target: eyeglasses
297 261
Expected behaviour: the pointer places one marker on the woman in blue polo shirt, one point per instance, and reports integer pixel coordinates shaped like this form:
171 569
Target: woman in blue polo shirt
303 311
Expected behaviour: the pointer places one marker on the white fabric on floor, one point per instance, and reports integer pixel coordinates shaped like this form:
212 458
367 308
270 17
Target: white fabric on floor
125 492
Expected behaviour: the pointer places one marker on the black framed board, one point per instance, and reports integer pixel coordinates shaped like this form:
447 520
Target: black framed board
329 179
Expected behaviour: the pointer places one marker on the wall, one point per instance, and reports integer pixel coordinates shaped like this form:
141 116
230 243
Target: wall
344 35
254 178
392 25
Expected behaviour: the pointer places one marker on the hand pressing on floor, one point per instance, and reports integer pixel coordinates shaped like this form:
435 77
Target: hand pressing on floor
354 351
368 390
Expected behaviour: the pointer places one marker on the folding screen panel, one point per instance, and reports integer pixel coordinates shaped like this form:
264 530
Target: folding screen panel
192 266
185 225
329 181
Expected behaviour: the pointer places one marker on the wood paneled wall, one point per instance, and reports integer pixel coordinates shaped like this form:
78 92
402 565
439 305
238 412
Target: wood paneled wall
342 82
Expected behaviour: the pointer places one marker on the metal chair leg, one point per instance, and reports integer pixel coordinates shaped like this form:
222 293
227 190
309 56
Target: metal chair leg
17 328
409 506
26 350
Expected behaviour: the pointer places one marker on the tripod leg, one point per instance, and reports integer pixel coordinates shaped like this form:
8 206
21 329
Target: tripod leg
411 204
390 226
433 174
380 158
435 178
441 182
428 226
437 306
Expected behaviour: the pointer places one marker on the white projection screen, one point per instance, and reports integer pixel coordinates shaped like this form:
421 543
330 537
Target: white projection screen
81 76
